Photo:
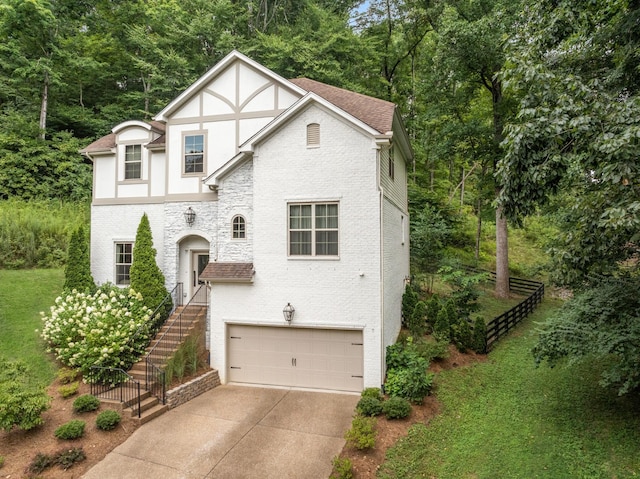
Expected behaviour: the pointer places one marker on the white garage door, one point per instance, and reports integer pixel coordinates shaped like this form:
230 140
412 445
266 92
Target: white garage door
300 357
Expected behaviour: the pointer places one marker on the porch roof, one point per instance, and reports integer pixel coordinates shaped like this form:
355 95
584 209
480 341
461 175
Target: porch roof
217 272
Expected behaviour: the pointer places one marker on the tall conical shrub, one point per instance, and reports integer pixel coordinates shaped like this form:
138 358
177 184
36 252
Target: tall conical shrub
145 275
77 273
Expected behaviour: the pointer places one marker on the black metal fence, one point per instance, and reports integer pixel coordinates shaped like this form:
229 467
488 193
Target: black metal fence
118 386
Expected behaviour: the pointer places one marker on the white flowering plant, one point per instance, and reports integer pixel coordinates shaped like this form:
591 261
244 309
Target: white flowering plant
109 329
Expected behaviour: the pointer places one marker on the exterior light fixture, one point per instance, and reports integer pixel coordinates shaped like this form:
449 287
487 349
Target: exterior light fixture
288 312
190 216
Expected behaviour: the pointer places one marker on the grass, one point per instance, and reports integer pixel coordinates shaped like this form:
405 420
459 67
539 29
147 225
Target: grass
507 418
23 295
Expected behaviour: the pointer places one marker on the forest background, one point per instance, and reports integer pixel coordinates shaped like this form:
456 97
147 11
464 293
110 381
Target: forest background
518 111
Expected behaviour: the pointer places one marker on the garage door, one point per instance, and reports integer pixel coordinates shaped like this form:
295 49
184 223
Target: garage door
300 357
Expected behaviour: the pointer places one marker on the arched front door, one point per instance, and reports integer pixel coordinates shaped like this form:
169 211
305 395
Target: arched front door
193 257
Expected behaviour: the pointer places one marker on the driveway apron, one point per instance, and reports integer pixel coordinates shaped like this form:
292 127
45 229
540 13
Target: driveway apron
237 432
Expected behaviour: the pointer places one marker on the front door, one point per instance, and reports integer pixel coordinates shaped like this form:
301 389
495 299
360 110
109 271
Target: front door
199 260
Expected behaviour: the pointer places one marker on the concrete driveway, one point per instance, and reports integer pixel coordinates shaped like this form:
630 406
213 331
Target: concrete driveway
237 432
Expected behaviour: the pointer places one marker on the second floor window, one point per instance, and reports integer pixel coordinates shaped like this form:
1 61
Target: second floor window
313 229
133 162
194 154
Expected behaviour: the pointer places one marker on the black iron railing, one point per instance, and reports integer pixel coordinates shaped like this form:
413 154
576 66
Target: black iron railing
164 347
116 385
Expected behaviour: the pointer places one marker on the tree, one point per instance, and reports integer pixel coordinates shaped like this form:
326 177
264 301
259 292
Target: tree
146 277
77 273
575 73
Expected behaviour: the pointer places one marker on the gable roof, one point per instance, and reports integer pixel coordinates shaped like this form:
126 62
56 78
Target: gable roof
376 113
215 71
108 142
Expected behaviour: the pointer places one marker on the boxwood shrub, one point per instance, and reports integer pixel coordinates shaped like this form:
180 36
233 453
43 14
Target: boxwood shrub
70 430
108 420
86 403
369 406
396 408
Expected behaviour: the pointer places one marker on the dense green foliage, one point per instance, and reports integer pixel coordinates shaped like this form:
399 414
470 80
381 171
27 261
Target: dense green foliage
369 406
146 276
396 408
86 403
506 418
77 274
21 403
407 375
108 420
362 434
107 329
36 233
70 430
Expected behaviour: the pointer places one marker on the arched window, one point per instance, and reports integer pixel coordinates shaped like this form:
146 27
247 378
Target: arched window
313 134
238 227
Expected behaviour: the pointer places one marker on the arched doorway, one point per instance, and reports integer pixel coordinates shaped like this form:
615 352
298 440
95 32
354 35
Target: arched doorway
193 258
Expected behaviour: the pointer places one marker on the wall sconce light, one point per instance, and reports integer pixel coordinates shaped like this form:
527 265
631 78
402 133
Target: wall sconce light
288 312
190 216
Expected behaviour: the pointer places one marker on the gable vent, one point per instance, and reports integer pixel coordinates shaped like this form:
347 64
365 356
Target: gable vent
313 134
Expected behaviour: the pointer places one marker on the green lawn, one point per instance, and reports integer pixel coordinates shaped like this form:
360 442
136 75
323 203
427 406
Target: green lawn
23 294
505 418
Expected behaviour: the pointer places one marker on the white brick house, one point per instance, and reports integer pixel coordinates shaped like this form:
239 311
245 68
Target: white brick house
300 197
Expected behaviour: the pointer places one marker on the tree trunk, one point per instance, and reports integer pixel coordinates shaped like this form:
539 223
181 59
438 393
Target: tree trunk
43 106
502 255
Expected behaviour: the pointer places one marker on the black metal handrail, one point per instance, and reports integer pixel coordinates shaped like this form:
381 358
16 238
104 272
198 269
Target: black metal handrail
161 313
164 346
117 385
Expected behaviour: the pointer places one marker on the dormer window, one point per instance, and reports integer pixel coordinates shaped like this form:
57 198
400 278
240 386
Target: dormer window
193 154
313 135
238 227
133 162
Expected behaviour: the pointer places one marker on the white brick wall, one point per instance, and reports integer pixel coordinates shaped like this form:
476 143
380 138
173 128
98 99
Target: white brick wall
236 198
342 293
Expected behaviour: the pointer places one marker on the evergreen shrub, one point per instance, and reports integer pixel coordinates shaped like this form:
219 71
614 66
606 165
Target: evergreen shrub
86 403
342 468
372 393
396 408
108 420
70 430
362 434
369 406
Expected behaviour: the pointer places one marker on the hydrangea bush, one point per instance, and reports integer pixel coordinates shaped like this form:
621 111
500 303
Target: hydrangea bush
108 329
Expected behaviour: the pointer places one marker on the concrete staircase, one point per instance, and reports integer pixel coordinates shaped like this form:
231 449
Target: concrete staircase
175 330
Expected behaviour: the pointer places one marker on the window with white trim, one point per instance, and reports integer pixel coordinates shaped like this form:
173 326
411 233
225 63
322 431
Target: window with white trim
133 162
238 227
193 154
313 229
124 258
313 134
392 165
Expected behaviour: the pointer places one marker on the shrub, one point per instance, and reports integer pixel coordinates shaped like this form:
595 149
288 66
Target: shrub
396 408
433 307
86 403
146 276
430 349
77 273
108 420
409 301
412 383
369 406
479 336
68 457
418 320
40 463
461 334
22 405
372 393
342 468
362 434
442 326
68 390
70 430
67 375
85 330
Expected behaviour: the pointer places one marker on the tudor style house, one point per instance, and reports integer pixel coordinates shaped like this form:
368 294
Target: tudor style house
295 194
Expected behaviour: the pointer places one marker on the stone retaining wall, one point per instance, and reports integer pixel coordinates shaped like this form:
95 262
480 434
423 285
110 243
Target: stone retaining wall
187 391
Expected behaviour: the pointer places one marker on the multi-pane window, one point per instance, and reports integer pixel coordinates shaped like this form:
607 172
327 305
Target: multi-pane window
133 162
239 227
313 229
194 154
124 258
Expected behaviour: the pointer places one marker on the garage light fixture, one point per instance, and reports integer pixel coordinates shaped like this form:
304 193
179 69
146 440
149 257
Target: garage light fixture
190 216
288 312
